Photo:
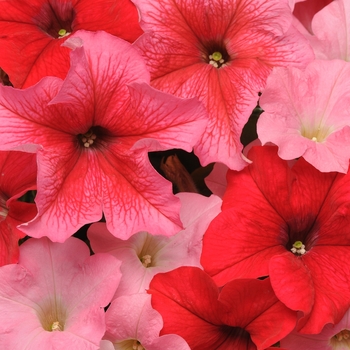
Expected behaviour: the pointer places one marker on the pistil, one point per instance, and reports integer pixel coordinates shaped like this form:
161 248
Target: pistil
216 59
298 248
146 260
88 138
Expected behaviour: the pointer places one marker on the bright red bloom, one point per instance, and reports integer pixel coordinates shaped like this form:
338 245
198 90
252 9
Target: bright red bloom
17 176
291 223
32 33
93 133
221 52
192 307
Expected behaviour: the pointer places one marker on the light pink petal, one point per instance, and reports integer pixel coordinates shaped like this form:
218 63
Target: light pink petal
132 317
306 114
216 181
331 28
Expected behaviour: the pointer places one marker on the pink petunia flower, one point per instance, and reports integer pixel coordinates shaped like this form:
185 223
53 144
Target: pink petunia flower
133 324
93 133
307 114
332 337
54 297
292 224
221 52
144 255
244 315
32 33
17 176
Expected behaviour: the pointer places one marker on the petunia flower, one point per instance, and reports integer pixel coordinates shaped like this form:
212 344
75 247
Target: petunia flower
244 315
331 28
332 337
289 223
93 133
144 255
221 52
54 297
307 114
133 324
17 176
32 33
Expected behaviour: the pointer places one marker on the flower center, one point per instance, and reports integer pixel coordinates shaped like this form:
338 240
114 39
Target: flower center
341 340
55 19
3 208
216 59
52 315
56 326
137 345
88 138
146 260
316 133
298 248
62 33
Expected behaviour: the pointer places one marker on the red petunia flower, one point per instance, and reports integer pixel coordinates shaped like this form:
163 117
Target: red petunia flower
192 307
93 133
291 223
32 32
221 52
17 176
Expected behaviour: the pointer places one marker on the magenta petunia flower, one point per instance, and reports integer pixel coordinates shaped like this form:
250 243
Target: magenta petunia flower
93 133
291 223
54 297
32 33
17 176
133 324
144 255
307 114
221 52
332 337
192 307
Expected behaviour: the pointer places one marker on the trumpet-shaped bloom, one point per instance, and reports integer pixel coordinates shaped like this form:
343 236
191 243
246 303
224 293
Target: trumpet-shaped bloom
54 297
92 134
144 255
192 307
221 52
133 324
32 33
296 229
18 175
307 114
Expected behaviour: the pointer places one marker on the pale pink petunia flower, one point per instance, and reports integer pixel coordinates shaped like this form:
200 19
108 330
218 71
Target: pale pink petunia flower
221 52
54 297
307 114
332 337
143 255
92 133
331 28
132 324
